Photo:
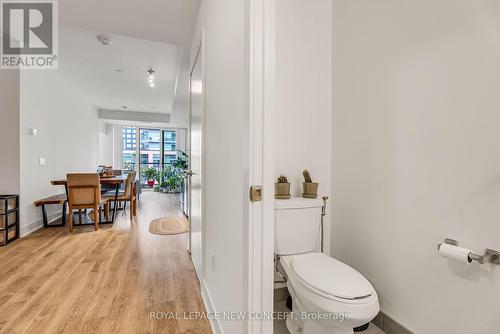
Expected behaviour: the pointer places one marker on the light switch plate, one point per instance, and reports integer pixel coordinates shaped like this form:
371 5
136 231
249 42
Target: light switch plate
42 161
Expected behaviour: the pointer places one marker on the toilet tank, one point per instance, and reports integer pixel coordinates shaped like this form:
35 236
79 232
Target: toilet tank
297 224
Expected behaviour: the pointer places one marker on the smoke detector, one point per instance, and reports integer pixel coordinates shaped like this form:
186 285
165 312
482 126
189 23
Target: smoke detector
104 40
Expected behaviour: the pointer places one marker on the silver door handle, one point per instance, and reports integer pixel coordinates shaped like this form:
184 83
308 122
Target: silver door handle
190 173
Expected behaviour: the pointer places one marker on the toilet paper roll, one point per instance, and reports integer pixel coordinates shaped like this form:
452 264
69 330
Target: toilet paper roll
455 253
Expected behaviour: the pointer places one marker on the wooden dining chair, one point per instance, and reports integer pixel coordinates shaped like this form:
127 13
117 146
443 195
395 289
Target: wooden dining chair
84 192
126 195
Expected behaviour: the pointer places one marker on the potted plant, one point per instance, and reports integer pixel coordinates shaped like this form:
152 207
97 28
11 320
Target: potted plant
182 161
174 183
170 179
150 173
310 187
282 188
173 179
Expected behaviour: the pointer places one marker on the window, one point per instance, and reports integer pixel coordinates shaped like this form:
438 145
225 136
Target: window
156 148
129 148
144 159
169 146
169 158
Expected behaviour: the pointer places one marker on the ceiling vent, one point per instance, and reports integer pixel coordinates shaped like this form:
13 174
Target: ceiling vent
104 40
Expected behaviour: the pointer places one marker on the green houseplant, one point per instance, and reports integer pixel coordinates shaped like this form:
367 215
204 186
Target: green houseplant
170 179
151 174
174 183
182 161
175 180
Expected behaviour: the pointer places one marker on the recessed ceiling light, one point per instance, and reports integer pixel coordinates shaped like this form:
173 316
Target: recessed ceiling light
151 74
124 107
151 77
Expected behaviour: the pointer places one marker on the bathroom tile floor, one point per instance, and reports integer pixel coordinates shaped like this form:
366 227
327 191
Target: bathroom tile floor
373 330
280 325
280 328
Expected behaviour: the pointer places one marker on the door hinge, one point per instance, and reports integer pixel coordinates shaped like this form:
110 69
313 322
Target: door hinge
256 193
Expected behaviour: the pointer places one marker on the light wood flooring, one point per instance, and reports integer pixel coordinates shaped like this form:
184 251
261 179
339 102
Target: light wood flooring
101 282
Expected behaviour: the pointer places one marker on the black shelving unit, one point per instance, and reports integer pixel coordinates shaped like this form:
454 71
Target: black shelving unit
9 219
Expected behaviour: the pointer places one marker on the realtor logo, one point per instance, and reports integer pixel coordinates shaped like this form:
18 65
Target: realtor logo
29 34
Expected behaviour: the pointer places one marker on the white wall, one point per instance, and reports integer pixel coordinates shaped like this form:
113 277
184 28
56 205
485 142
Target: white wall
106 145
68 139
180 108
303 94
118 146
416 158
9 132
226 154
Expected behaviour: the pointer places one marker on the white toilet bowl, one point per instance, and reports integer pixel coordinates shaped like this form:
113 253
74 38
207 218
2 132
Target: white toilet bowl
328 296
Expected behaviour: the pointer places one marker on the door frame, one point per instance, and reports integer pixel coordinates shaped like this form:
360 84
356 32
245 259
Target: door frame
199 56
262 163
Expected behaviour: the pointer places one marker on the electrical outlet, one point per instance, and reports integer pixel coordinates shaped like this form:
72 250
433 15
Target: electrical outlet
42 161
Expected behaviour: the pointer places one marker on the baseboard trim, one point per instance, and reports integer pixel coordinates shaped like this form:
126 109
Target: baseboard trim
30 228
215 324
24 231
389 325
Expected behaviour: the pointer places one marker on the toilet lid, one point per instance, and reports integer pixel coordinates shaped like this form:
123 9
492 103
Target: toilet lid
331 277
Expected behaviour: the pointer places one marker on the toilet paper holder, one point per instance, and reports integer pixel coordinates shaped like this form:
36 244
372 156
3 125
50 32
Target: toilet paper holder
489 256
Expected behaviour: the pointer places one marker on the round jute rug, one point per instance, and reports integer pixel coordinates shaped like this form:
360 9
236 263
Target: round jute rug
170 225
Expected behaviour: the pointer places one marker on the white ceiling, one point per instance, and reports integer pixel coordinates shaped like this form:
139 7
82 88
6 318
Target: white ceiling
145 33
92 68
168 21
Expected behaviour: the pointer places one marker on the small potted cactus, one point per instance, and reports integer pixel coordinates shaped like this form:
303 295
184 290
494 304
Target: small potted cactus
310 187
282 188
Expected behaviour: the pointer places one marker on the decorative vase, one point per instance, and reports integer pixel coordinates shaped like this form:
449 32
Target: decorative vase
310 189
282 190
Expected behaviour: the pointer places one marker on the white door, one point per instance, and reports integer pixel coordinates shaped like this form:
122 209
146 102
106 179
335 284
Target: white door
196 142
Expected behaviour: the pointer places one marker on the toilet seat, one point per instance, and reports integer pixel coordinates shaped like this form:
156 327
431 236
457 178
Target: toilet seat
337 278
330 278
319 284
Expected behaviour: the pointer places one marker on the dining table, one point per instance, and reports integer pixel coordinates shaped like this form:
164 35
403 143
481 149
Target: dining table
112 181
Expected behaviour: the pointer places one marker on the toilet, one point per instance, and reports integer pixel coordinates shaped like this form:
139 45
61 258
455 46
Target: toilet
328 296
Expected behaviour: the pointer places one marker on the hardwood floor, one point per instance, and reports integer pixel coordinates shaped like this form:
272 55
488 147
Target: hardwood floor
101 282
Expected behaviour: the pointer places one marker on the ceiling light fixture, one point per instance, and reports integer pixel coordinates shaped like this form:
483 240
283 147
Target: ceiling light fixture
151 77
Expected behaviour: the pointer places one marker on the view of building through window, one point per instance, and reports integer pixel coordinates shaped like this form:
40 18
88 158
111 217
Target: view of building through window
150 148
153 145
129 147
169 146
